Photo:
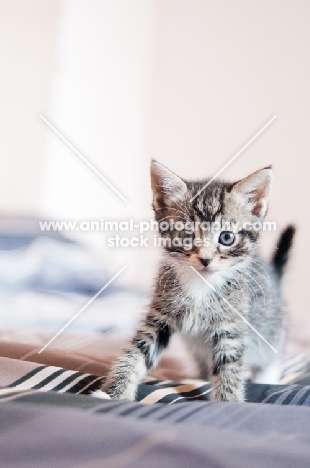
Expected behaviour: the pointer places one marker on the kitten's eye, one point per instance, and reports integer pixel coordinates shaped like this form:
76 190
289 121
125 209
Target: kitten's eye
226 238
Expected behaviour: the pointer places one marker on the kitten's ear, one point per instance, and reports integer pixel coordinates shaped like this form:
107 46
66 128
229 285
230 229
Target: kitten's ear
256 190
167 187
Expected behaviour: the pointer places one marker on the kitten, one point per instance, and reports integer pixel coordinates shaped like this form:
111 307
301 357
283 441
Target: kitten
211 292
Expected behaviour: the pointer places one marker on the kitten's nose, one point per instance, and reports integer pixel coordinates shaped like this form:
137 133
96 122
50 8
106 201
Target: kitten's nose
205 261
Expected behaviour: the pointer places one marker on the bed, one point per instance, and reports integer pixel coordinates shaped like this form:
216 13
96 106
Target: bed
48 414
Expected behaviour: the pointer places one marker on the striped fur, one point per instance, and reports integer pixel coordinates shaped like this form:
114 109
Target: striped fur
182 302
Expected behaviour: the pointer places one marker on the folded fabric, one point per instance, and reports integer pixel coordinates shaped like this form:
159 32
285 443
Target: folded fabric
78 431
20 376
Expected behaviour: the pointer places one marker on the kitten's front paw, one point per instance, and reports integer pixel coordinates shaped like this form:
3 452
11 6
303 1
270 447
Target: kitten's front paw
120 391
100 394
224 395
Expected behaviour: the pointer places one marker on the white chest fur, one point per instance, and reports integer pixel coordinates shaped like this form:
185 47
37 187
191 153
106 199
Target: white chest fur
202 299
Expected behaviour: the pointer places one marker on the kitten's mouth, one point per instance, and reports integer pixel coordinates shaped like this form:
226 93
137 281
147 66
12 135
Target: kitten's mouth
205 270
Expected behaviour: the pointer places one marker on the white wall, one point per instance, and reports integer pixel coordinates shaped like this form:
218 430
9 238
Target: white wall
101 104
27 56
223 69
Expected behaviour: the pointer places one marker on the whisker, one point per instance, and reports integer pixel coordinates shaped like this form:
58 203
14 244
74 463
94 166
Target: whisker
267 280
250 287
253 279
174 209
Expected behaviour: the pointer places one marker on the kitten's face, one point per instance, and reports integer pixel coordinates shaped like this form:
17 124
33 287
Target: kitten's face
194 232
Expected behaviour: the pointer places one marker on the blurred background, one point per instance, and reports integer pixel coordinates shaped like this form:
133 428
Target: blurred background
186 82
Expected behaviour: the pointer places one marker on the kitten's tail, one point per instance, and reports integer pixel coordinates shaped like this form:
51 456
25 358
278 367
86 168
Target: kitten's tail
284 245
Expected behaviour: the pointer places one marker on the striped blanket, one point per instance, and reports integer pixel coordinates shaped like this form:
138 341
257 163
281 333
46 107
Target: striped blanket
20 377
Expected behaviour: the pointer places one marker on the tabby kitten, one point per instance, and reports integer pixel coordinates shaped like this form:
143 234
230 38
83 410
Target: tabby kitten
211 292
